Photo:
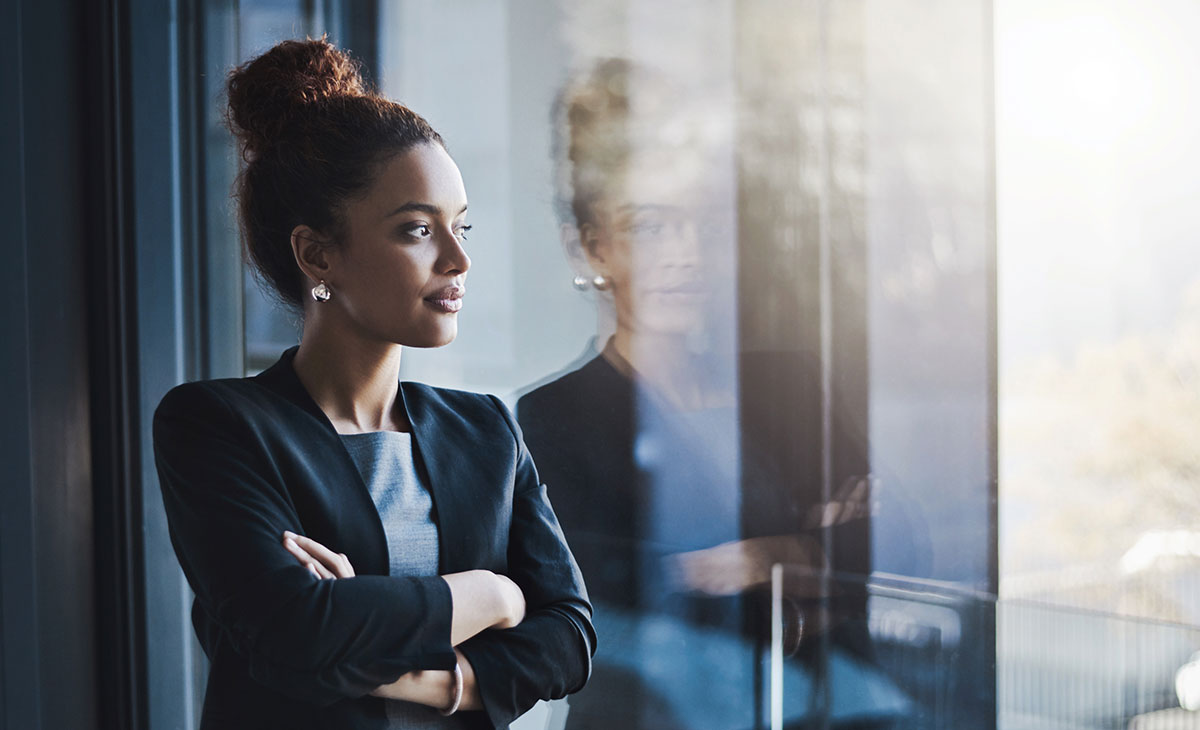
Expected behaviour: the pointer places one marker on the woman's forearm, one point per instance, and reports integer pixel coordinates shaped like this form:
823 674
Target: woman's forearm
479 600
434 687
482 600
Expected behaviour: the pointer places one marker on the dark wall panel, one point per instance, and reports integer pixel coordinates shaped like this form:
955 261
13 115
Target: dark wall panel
46 548
18 607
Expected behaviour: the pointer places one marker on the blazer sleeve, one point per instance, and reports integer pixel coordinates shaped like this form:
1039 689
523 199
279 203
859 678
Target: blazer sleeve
315 640
548 655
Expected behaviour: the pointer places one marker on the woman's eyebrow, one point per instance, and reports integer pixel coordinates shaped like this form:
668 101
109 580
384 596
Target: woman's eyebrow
422 208
648 208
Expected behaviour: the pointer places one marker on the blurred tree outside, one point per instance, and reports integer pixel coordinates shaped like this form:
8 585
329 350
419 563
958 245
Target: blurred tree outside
1100 472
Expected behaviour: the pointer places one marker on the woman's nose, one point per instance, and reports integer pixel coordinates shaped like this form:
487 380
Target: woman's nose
682 243
454 255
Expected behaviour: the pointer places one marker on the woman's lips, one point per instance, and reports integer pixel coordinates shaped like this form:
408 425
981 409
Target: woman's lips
686 286
677 292
447 300
445 305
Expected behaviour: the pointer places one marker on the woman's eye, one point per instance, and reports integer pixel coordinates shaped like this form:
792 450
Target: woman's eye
421 231
462 232
645 229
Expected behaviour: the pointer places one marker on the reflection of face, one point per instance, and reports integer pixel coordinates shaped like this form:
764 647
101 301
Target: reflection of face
644 241
400 272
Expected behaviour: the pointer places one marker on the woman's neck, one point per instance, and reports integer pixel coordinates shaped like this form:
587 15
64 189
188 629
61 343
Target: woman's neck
354 381
663 362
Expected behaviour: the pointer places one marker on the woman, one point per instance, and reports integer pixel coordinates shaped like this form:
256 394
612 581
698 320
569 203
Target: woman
642 437
675 511
365 553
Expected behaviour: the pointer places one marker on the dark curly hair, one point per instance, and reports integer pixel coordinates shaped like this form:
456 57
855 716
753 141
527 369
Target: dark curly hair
312 136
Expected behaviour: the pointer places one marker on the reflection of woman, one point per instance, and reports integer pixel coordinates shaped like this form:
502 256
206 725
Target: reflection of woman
639 444
634 237
365 553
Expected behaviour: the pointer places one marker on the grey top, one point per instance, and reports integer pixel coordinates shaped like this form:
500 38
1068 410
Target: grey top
400 494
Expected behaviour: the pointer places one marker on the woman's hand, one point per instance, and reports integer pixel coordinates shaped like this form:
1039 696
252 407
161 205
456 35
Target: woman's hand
733 567
482 599
434 687
320 560
856 499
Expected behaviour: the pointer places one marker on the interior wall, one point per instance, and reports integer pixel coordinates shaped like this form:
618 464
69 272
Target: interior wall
46 570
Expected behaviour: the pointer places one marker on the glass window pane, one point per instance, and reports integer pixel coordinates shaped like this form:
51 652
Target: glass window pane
1098 321
893 295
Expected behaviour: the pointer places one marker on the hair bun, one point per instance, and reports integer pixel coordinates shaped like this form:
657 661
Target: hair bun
270 94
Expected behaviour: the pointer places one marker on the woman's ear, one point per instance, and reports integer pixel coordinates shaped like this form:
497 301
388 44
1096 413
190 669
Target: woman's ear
572 244
593 247
310 250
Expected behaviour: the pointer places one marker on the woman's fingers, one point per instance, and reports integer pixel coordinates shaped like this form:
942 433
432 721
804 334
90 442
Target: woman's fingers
721 570
321 560
314 566
336 564
851 501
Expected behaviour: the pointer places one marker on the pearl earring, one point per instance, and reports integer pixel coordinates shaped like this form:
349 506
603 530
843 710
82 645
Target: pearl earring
321 292
581 283
600 283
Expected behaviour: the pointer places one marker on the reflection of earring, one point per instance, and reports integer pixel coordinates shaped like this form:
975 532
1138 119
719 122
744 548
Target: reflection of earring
321 293
600 283
581 283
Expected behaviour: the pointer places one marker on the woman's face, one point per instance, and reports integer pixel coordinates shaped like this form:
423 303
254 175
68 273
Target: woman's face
644 242
400 273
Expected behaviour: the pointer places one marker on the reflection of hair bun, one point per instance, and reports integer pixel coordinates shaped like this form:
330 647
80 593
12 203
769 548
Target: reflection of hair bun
271 95
613 115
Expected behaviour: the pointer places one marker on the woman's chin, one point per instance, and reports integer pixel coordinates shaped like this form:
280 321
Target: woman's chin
439 337
666 323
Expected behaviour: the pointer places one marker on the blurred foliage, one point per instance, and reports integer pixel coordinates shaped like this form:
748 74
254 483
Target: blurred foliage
1095 454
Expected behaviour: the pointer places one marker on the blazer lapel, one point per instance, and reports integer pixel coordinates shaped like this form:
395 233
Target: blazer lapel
358 529
450 500
449 497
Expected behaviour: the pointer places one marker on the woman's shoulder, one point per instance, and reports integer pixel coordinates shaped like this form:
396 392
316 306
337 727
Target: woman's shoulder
423 399
195 417
219 399
596 378
214 388
594 390
195 393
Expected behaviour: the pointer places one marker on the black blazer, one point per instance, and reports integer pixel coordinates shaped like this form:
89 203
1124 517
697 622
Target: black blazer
240 460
